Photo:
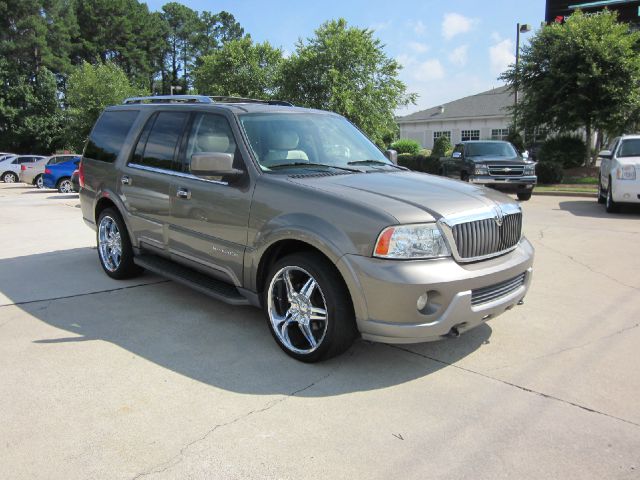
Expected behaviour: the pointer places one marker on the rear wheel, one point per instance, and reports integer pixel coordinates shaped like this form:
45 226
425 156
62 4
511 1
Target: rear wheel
39 182
611 205
114 246
308 308
9 177
65 185
524 196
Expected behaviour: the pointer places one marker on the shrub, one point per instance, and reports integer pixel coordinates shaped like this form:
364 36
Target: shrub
516 139
406 145
567 150
549 172
425 152
441 146
420 163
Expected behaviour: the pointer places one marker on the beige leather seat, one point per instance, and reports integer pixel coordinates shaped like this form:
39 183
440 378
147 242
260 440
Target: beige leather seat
283 148
213 142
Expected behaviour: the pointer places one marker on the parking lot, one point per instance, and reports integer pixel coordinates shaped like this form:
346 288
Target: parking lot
148 379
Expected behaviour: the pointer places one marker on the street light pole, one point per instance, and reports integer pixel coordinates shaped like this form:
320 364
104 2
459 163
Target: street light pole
519 29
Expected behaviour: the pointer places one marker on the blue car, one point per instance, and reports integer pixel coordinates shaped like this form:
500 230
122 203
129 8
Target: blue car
59 176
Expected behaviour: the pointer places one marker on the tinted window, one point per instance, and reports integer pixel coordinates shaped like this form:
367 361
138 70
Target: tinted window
630 148
109 134
495 149
21 160
211 133
162 142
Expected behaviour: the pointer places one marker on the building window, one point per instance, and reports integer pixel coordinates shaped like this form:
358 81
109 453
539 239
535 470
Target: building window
499 134
437 135
470 135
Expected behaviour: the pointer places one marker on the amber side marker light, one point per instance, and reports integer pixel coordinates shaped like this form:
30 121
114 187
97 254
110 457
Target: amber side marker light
382 246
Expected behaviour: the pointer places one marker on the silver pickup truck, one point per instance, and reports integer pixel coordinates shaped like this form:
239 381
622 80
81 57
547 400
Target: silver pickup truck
295 211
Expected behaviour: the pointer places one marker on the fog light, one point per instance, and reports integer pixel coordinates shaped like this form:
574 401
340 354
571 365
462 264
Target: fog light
422 301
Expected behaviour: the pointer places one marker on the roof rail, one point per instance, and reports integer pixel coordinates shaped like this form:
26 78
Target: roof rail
230 99
169 99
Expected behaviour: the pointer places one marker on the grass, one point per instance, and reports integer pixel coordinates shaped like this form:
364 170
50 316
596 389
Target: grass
580 180
564 188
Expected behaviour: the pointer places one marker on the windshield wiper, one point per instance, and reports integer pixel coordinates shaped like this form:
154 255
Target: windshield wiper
309 164
375 162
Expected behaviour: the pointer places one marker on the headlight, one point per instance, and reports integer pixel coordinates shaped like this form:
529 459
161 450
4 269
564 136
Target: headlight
530 169
626 172
411 241
481 169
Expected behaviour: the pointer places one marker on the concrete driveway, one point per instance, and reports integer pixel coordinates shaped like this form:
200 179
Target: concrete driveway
148 379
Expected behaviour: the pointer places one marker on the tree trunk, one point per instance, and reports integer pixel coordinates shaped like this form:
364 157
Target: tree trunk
588 142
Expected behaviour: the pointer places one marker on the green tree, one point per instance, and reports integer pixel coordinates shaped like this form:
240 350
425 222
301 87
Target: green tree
90 89
240 68
183 25
345 69
583 74
441 146
214 30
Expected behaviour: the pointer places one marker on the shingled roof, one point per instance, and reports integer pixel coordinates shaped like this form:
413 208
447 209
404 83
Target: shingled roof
486 104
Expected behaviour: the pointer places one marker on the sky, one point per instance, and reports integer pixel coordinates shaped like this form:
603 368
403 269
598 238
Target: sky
449 49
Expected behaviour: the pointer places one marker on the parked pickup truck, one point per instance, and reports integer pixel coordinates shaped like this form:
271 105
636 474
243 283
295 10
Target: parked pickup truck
295 211
492 163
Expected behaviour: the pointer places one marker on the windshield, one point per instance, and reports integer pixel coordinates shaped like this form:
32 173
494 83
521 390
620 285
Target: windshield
630 148
493 149
320 140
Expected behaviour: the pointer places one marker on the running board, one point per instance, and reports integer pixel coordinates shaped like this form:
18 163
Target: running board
217 289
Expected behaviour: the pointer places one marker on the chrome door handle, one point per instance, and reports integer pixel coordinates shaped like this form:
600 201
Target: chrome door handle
125 180
183 193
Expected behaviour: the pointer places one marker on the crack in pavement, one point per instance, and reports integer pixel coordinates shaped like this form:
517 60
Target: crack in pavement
588 267
520 387
576 347
64 297
179 457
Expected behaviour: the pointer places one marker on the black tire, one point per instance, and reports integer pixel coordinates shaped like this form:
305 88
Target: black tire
340 323
601 198
524 196
62 185
9 177
125 268
610 205
38 182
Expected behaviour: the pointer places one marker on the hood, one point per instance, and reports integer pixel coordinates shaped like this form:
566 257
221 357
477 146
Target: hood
628 160
410 197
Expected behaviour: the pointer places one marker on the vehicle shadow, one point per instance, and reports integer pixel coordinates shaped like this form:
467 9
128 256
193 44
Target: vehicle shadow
591 208
38 190
204 339
68 196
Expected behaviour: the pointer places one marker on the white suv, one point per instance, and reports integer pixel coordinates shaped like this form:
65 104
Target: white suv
620 173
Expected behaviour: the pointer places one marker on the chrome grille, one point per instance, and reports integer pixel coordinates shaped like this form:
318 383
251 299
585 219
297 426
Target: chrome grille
506 170
499 290
485 237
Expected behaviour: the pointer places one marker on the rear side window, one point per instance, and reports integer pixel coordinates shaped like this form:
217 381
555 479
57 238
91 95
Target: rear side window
159 140
109 134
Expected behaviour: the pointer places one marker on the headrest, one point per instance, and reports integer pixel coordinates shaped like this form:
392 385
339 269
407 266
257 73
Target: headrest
213 142
284 140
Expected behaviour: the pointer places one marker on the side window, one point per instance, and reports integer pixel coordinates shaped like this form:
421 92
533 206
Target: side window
108 135
159 140
459 148
22 160
211 133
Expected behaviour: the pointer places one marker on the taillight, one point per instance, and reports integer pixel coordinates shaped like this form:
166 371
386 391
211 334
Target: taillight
81 174
47 170
23 167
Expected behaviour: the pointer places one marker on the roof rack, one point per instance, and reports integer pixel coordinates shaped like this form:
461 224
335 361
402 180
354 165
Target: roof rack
169 99
201 99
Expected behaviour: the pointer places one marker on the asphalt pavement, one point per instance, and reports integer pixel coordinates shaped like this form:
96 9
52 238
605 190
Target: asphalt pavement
148 379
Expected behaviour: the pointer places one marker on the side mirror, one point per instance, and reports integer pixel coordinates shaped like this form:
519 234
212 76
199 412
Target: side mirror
605 154
213 164
392 155
456 154
525 154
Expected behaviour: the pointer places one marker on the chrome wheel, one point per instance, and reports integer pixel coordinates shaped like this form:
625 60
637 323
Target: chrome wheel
297 310
65 186
10 178
40 182
109 243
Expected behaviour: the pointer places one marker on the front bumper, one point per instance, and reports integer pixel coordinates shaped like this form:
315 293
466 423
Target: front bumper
626 191
509 184
387 310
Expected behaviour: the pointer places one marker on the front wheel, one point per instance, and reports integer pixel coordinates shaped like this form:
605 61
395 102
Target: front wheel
308 308
9 177
114 247
610 205
524 196
65 186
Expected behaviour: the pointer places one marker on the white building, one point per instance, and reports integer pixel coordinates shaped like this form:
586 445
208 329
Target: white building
479 117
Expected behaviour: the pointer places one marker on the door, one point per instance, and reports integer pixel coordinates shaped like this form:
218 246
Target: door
453 165
210 215
606 163
145 181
